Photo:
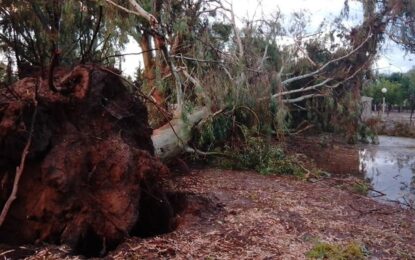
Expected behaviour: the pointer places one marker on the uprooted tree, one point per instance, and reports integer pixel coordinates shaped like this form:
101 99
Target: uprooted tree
89 168
76 146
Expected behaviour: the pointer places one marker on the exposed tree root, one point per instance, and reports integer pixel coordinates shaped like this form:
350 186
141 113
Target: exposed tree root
90 166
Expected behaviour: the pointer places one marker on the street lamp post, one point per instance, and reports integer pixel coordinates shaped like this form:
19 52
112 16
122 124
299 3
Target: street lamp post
384 90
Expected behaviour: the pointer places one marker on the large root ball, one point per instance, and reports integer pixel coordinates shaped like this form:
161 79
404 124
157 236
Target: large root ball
90 163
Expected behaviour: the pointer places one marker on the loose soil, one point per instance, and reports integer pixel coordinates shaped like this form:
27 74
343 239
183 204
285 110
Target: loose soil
225 214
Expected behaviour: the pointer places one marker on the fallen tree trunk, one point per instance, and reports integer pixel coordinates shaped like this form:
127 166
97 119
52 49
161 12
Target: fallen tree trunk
90 174
171 139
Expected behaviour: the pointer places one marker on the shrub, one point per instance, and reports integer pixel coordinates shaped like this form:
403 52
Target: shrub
257 155
361 187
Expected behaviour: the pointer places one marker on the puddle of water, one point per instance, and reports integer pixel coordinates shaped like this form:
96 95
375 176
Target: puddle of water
390 167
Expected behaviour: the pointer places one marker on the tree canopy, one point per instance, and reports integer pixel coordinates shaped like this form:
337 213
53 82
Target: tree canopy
197 56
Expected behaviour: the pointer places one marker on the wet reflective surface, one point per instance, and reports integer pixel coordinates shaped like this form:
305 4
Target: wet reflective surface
390 167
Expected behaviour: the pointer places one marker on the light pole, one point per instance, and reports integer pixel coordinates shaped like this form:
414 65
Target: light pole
384 90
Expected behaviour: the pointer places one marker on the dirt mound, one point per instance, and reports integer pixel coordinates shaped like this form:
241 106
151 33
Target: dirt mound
90 166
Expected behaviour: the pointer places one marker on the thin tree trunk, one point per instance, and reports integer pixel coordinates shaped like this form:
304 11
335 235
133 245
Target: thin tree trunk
148 59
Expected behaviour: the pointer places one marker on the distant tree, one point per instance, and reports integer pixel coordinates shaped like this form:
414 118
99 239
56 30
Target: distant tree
411 91
400 89
395 92
3 69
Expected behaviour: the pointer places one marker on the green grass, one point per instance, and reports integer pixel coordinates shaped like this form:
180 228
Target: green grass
361 187
350 251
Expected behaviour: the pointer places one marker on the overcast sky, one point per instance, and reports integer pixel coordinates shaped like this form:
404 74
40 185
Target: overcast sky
391 59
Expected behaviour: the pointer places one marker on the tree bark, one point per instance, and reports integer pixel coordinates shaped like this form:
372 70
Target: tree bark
171 139
148 57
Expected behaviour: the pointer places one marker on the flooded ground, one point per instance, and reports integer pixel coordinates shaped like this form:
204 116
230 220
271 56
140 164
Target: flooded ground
390 167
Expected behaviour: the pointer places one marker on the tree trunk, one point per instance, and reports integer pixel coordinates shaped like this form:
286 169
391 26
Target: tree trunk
171 139
148 58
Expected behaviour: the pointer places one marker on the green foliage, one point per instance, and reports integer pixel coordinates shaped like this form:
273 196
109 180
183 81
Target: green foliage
180 25
361 187
232 77
410 87
235 134
402 29
32 29
214 133
367 134
395 92
400 89
350 251
266 159
3 68
222 30
317 52
336 115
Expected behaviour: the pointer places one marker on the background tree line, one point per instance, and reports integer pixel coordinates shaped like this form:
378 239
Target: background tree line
400 90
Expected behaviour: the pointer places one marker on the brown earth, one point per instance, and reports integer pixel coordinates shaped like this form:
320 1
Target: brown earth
244 215
392 124
90 167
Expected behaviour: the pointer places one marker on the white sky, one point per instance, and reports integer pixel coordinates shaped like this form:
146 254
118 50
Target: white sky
392 59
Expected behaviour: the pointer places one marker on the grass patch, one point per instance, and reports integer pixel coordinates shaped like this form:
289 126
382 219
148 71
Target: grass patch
361 187
352 251
355 185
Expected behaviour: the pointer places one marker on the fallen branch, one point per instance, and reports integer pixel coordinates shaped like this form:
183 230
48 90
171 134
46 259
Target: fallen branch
287 81
294 100
199 152
381 194
6 252
302 130
127 54
370 211
139 11
303 89
170 139
315 86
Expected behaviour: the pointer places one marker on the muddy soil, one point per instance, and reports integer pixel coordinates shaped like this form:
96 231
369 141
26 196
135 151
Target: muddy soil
392 124
244 215
328 152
